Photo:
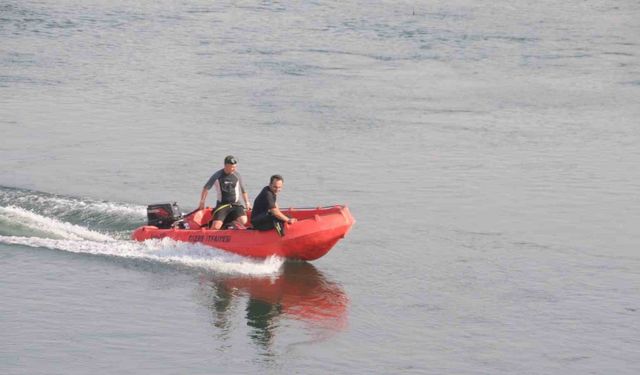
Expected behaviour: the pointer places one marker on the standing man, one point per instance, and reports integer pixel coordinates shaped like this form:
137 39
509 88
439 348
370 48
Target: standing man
266 214
229 186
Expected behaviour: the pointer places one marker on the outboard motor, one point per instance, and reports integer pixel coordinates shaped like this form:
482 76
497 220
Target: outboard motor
164 215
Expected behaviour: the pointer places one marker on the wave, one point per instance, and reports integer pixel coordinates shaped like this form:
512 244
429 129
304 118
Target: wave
42 220
24 221
164 251
111 217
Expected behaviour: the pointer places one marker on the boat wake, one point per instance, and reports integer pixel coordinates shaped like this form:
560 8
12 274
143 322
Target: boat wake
27 222
41 220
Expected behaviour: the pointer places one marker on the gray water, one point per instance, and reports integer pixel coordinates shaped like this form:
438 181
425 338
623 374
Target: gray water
489 152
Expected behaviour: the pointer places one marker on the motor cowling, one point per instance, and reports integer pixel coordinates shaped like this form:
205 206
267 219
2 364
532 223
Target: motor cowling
164 215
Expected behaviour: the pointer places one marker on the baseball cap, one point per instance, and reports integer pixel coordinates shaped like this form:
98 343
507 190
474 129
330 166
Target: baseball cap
230 160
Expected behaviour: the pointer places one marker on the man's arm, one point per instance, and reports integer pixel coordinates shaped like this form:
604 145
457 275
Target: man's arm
203 197
278 214
245 196
207 186
247 202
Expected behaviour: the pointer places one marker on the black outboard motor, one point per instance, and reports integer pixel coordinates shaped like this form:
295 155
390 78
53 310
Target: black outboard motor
164 215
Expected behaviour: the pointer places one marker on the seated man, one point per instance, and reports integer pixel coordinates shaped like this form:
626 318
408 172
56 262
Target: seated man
266 214
229 187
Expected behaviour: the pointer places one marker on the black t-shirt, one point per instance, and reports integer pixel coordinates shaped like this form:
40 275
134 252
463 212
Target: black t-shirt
265 201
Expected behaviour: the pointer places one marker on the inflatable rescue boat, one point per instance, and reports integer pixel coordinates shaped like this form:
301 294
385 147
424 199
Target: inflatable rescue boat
312 236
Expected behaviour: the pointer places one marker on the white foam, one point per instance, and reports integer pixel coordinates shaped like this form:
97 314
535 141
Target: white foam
103 207
55 234
51 226
66 204
57 203
164 251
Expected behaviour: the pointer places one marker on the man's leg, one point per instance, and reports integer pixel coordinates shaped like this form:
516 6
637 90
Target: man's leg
262 222
219 216
268 222
238 216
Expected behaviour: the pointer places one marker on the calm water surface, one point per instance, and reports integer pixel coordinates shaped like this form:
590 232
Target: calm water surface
488 151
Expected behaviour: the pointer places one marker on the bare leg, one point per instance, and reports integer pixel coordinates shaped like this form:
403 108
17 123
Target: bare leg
217 224
240 222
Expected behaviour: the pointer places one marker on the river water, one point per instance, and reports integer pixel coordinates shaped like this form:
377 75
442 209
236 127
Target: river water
489 152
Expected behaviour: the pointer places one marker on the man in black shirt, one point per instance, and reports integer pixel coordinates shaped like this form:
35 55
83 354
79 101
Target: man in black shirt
229 186
266 215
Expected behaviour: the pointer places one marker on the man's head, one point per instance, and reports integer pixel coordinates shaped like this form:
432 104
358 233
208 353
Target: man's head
230 164
276 183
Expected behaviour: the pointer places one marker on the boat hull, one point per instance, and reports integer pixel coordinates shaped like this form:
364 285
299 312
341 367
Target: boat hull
312 236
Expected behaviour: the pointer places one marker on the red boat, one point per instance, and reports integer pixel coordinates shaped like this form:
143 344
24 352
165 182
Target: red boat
312 236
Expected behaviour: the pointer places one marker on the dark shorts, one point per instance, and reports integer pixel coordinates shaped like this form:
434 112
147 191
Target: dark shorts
228 212
268 222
